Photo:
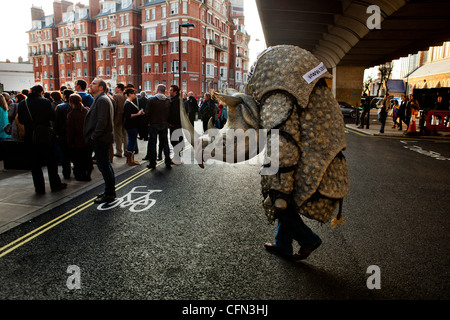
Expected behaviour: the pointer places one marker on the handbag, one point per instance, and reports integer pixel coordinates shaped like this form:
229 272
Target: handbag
42 135
7 129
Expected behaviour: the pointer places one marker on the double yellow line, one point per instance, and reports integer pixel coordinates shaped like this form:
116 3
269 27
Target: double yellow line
53 223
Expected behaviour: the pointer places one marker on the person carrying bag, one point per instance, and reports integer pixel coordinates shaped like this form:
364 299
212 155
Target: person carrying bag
36 114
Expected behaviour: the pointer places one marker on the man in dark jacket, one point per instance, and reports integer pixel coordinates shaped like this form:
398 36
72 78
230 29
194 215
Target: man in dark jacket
98 130
208 109
62 110
174 118
191 106
37 111
157 113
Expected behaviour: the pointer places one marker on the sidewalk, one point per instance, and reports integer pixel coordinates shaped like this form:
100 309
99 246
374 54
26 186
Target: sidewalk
19 203
374 129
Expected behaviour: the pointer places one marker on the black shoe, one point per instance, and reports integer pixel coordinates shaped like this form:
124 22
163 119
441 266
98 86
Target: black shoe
304 253
61 187
159 158
151 167
168 166
105 198
40 192
145 158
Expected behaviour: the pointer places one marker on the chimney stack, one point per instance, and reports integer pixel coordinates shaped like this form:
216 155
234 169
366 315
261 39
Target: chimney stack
37 13
94 8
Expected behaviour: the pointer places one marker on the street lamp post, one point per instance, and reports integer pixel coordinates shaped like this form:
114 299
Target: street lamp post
184 25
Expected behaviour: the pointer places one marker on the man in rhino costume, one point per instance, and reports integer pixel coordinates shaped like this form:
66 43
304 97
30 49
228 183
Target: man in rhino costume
289 93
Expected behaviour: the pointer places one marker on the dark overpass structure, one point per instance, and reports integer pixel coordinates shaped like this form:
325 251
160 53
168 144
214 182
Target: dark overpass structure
342 34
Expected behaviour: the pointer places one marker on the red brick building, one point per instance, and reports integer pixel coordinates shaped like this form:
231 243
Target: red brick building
137 42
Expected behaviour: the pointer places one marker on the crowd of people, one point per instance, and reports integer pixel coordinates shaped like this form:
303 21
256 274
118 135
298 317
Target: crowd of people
402 113
73 129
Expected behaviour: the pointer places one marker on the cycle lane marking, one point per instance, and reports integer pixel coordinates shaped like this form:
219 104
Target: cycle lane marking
51 224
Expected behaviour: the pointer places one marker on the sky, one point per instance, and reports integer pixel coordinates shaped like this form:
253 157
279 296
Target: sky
15 25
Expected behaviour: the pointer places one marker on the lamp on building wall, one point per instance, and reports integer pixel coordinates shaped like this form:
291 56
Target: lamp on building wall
184 25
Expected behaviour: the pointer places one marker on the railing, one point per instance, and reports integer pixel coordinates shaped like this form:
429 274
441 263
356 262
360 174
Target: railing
68 49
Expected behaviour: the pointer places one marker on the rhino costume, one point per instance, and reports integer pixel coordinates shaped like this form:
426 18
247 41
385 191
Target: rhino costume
288 92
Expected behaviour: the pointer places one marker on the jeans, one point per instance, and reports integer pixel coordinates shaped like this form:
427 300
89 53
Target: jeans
158 131
291 227
102 154
132 140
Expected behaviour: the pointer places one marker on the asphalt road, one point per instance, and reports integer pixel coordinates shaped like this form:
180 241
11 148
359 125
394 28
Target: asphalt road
202 239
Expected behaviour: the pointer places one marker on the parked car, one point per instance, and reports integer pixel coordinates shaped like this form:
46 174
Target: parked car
348 110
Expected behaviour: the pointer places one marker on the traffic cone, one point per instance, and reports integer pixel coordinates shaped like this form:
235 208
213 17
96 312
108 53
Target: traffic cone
412 125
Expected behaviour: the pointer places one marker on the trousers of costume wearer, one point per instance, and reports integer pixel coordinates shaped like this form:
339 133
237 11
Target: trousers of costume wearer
158 131
39 156
102 156
291 227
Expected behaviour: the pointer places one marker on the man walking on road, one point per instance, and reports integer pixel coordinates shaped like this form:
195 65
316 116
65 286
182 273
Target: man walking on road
98 130
157 113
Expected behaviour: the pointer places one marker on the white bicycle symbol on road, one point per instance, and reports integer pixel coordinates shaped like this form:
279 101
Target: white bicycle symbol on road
139 204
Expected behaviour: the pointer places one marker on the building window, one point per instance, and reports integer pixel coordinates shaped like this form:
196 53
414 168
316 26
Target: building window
174 7
174 66
184 89
156 67
147 50
174 47
121 70
100 71
151 34
164 67
99 55
108 71
163 12
148 86
129 53
147 67
210 69
125 38
185 8
238 76
156 50
184 46
85 72
174 27
163 30
84 56
130 70
184 66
